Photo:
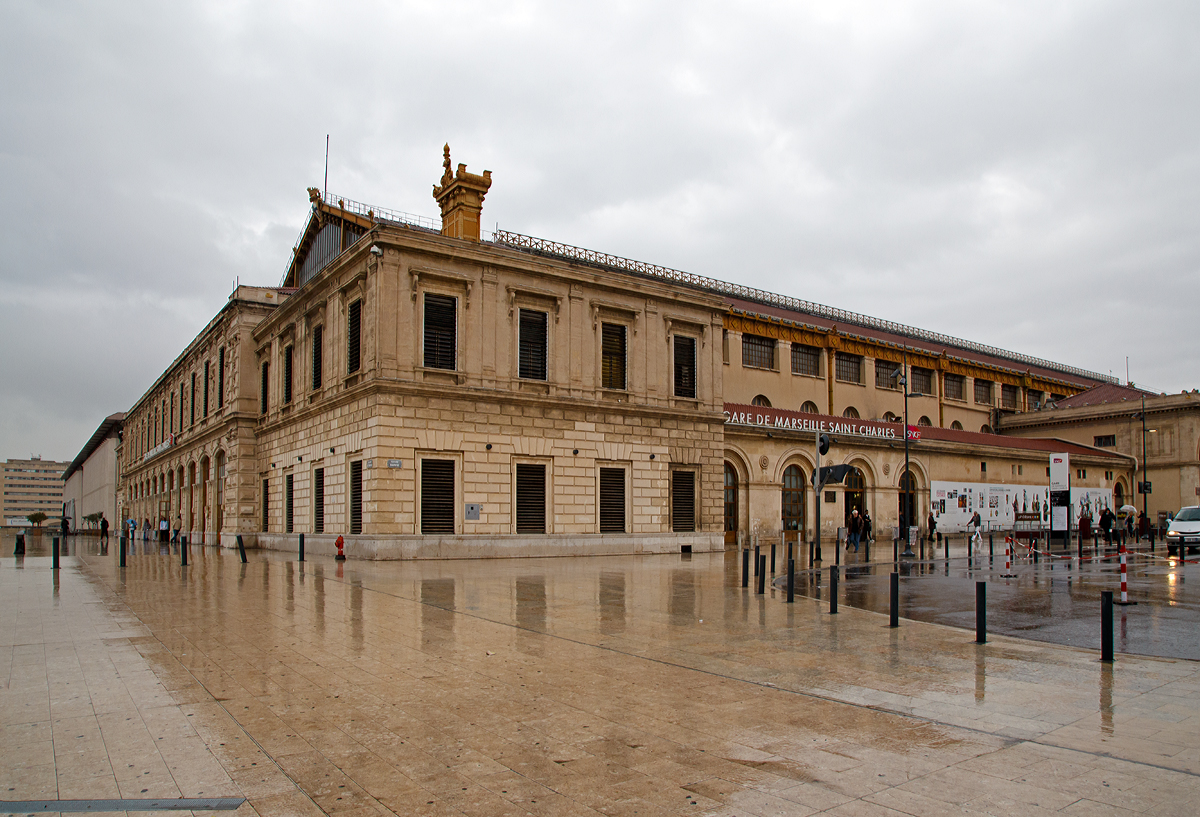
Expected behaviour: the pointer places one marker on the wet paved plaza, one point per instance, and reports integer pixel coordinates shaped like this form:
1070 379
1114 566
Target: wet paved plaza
606 685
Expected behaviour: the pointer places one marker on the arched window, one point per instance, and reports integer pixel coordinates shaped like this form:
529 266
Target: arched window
985 429
809 407
854 494
956 425
793 498
924 421
908 502
888 417
760 400
851 413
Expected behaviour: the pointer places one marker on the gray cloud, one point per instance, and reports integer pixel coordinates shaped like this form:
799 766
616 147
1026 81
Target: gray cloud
1020 174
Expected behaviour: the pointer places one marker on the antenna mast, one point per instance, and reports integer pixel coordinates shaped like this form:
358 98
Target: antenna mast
325 190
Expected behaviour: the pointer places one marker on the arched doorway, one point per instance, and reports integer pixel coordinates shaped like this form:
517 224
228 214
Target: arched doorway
731 504
218 511
793 499
204 466
908 502
854 495
1118 497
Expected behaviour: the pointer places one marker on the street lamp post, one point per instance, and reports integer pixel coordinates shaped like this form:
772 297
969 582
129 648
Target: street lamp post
909 504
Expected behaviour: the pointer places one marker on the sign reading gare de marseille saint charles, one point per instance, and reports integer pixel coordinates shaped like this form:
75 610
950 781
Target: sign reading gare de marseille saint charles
795 421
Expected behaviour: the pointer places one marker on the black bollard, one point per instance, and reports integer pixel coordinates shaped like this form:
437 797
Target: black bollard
756 547
745 567
922 547
1106 626
121 545
54 555
867 549
980 612
762 574
183 550
895 605
833 583
970 546
895 551
772 558
991 544
791 580
302 547
19 550
241 548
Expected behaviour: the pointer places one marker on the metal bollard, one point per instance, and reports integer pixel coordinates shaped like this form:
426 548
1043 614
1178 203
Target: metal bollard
183 551
756 560
54 555
302 547
19 550
772 558
833 583
791 580
922 547
762 574
241 548
745 567
895 604
970 546
991 544
122 546
1106 626
980 612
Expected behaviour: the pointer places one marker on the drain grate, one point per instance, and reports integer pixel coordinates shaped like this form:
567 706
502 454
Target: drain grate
161 804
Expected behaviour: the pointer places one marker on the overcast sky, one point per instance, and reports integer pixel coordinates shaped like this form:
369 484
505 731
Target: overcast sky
1021 174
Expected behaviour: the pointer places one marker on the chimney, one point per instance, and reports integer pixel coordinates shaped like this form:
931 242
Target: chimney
460 196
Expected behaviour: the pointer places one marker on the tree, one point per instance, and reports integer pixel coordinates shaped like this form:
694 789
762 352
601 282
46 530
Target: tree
37 518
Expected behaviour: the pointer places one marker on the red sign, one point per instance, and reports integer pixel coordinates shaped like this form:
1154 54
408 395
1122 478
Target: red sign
914 433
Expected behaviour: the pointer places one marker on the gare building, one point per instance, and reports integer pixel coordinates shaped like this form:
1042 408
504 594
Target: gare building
426 393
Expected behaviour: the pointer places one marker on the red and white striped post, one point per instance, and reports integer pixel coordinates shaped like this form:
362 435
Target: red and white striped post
1008 551
1124 586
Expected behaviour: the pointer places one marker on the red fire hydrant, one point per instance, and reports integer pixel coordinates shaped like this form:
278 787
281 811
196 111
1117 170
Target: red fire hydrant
341 557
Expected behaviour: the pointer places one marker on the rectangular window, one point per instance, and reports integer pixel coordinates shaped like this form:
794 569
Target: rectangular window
441 332
1105 441
955 385
612 356
806 360
683 501
356 499
317 337
319 500
1008 396
685 366
182 397
531 498
758 352
883 375
437 496
287 375
221 377
207 377
266 382
1081 473
264 506
287 503
172 411
983 392
531 345
1035 398
983 467
848 368
193 403
922 380
612 500
354 338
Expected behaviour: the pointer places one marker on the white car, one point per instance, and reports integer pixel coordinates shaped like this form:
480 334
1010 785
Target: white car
1184 531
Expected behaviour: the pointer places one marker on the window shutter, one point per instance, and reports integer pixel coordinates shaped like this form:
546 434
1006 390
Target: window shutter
221 377
287 503
317 337
612 352
531 498
356 507
262 402
207 377
354 337
532 345
264 505
287 375
319 500
437 496
441 331
612 500
685 366
683 501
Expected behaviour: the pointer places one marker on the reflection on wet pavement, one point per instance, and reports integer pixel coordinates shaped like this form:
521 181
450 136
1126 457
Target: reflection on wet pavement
608 685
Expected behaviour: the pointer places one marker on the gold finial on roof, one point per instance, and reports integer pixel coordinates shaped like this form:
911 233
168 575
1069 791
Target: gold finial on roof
446 176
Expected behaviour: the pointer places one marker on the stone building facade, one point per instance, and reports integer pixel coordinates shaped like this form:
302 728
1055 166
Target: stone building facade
30 486
442 393
92 477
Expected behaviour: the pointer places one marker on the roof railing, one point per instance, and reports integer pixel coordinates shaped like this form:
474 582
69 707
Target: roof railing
567 251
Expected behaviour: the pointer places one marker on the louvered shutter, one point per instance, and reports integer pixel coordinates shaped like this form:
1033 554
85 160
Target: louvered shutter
683 501
356 498
440 331
612 356
317 338
531 498
532 345
612 500
437 496
319 500
685 366
354 338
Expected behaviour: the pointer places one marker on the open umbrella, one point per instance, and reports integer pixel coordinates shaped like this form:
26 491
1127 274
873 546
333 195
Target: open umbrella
1128 509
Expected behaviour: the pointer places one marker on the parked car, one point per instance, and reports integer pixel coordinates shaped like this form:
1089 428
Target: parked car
1183 534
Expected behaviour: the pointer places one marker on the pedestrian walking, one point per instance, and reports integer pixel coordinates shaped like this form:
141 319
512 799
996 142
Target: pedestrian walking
103 529
868 529
854 530
1106 525
175 531
975 524
932 527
